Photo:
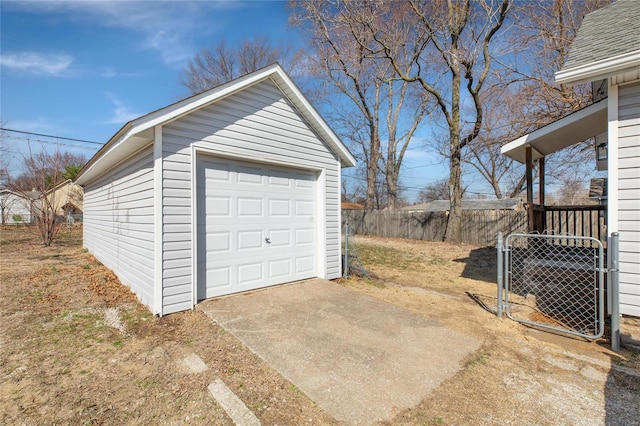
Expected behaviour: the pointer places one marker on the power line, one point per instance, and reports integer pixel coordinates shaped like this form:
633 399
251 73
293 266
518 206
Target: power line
50 136
416 188
90 148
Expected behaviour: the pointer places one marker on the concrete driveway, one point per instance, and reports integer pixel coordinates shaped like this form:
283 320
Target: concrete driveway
360 359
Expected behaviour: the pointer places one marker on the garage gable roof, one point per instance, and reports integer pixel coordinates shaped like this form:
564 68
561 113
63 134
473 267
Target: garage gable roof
139 132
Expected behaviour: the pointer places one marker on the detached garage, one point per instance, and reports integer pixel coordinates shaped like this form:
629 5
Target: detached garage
231 190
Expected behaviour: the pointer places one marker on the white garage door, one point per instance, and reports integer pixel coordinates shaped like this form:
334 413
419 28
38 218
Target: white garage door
256 226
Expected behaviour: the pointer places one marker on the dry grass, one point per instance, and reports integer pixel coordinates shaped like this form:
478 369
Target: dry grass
520 375
63 362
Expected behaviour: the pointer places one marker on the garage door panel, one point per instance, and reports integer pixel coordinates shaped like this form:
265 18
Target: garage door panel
217 171
250 207
304 236
304 208
304 180
279 268
219 277
218 206
279 238
218 242
278 177
279 207
251 175
258 223
249 240
250 273
305 264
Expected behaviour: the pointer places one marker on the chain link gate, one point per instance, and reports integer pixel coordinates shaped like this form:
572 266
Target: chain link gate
554 282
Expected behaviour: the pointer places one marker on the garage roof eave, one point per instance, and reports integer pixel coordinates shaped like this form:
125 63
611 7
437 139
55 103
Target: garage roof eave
567 131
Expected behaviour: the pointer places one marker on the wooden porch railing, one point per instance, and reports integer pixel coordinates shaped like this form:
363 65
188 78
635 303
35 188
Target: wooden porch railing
580 221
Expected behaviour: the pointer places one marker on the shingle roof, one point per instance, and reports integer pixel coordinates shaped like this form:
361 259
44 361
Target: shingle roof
606 33
351 206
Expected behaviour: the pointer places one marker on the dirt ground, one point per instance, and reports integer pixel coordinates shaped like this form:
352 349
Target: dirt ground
77 348
520 375
65 358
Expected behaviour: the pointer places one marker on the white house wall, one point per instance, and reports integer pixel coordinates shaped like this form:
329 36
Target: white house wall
118 222
256 123
629 196
15 205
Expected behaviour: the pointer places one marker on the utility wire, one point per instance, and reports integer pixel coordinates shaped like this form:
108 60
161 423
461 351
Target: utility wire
416 188
409 188
20 138
50 136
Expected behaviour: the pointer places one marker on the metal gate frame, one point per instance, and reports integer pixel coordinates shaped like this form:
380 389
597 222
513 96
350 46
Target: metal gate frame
505 280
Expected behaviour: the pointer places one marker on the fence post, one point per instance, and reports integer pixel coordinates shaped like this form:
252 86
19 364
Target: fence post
614 291
346 250
500 275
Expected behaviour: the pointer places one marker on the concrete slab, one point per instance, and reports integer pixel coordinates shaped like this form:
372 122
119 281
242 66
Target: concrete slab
360 359
232 405
194 364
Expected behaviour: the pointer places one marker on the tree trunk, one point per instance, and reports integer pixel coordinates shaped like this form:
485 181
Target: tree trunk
392 188
455 160
372 170
455 192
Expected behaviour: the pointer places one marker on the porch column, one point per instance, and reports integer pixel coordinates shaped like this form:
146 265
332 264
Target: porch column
541 181
543 214
529 173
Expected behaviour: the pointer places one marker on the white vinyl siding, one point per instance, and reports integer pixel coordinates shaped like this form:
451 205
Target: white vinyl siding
629 197
256 123
15 207
118 222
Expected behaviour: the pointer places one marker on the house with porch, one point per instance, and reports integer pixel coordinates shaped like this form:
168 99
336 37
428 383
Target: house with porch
605 53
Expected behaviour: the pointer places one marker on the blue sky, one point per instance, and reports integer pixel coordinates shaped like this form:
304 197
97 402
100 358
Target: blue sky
82 69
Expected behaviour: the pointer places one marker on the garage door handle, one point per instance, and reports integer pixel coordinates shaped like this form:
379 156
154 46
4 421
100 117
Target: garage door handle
267 240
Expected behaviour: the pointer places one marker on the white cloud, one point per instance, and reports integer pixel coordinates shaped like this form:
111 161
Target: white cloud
51 64
121 113
169 28
110 72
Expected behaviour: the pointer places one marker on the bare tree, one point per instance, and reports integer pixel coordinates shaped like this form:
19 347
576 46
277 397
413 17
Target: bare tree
389 110
450 55
219 64
41 172
4 156
525 96
438 190
503 112
541 40
573 191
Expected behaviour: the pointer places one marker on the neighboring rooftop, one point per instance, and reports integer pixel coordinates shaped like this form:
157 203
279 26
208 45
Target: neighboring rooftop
351 206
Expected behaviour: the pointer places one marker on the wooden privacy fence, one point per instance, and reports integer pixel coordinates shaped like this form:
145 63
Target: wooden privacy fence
478 227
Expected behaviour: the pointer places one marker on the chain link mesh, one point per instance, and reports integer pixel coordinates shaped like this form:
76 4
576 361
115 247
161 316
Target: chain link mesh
555 282
351 260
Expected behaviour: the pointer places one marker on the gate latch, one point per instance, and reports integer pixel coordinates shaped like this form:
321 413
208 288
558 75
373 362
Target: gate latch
267 240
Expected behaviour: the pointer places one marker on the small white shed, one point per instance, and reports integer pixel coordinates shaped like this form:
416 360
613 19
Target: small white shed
15 208
230 190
